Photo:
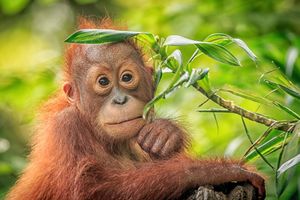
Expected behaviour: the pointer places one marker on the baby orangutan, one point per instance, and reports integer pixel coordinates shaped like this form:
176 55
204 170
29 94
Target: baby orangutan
92 142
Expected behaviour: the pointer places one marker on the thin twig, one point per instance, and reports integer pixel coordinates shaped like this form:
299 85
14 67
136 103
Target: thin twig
214 110
216 120
261 138
250 139
204 102
266 97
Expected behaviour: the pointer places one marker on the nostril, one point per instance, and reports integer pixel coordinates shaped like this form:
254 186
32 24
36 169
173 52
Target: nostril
120 100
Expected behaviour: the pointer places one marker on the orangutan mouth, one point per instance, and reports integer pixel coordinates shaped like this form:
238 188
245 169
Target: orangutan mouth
124 121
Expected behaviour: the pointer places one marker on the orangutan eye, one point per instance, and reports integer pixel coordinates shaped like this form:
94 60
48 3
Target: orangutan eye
103 81
127 77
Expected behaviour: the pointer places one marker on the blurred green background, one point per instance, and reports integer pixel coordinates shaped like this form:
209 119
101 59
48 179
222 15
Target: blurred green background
31 56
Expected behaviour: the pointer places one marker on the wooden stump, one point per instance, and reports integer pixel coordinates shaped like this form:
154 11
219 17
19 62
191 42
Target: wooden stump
228 191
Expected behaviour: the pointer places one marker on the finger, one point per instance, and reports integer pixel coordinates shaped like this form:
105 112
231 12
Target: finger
143 133
259 183
169 145
159 143
167 126
150 139
261 186
262 191
163 124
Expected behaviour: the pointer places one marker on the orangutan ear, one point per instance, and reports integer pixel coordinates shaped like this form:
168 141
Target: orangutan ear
69 91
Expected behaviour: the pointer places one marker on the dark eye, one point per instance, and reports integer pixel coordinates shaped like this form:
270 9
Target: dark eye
103 81
126 77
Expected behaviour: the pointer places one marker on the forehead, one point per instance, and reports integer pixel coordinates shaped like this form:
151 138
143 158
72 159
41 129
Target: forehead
110 53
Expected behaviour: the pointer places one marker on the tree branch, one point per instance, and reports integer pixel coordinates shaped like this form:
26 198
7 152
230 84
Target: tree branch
227 191
253 116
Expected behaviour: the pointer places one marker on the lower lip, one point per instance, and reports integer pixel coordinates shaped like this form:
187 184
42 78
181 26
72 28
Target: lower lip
125 122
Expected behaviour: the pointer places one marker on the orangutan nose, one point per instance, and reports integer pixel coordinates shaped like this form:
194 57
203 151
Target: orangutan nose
120 99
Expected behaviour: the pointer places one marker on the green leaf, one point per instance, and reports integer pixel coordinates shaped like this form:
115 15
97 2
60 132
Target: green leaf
218 53
149 38
157 76
250 139
171 63
177 56
100 36
219 38
177 40
244 46
247 95
261 138
183 78
291 150
280 188
168 91
179 67
194 56
196 75
205 85
177 80
286 109
212 50
288 164
266 148
224 39
289 91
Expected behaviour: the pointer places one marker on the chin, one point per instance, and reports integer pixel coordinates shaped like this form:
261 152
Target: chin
124 130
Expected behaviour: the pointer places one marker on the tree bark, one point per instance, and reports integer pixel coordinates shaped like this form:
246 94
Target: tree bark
228 191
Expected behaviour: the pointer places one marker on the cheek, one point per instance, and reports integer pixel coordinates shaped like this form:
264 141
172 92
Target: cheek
147 89
90 104
144 92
